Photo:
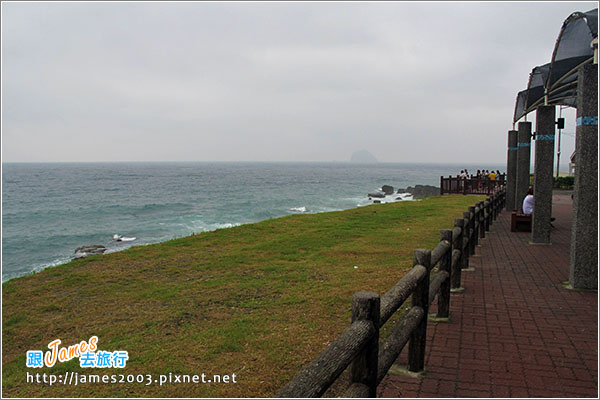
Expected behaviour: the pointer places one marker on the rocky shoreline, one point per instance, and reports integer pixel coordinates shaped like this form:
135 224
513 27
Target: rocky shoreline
418 192
421 191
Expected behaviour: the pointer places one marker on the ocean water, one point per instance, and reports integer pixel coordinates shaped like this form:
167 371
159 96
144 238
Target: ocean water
48 210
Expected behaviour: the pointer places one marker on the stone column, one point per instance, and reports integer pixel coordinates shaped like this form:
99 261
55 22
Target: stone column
511 171
584 233
542 181
523 163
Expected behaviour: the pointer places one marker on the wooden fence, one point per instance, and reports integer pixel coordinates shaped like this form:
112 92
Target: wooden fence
358 346
471 185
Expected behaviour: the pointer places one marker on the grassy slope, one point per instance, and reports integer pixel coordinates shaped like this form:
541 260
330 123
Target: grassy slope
258 300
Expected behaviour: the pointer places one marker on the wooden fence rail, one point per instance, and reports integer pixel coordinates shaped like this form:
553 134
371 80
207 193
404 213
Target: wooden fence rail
358 346
458 185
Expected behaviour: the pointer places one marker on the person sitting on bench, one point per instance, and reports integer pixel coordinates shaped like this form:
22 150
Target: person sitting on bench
528 202
521 221
528 205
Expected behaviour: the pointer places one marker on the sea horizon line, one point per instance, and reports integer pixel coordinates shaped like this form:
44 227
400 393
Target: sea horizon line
256 162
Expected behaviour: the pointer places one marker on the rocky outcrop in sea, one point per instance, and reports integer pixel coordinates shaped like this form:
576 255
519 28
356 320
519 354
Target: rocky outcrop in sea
89 250
387 189
421 191
410 193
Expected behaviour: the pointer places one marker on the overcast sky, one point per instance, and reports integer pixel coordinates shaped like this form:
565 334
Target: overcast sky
409 82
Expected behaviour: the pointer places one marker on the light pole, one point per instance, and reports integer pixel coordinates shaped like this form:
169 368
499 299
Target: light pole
560 108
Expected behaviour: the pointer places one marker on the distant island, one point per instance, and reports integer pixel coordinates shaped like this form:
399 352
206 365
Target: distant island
364 157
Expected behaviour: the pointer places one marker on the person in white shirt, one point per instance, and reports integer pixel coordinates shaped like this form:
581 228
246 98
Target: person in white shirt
528 202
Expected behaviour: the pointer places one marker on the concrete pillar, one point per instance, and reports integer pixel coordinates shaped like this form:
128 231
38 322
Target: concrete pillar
511 171
542 181
584 233
523 163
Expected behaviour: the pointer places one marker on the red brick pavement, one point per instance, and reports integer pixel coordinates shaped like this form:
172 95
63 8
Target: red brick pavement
515 331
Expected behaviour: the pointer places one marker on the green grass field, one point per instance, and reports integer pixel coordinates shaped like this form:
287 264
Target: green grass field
259 300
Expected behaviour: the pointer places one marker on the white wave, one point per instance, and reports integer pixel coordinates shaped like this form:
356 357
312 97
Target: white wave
38 268
393 198
404 197
197 225
56 262
298 209
122 247
225 226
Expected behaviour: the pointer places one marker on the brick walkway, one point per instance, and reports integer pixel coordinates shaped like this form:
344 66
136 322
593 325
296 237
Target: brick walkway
515 331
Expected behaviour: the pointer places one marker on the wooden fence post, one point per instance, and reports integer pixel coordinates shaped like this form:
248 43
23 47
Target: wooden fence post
445 265
420 298
457 244
488 222
466 250
365 306
477 223
496 204
481 220
486 219
472 231
441 185
499 210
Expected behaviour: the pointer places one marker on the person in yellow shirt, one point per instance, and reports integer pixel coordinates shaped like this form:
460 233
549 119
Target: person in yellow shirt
492 176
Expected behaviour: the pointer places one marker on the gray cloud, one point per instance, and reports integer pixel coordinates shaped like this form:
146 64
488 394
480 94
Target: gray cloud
269 82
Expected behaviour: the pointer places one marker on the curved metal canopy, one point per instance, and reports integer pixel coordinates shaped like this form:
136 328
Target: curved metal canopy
555 83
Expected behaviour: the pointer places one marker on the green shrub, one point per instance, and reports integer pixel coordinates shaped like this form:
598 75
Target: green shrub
564 182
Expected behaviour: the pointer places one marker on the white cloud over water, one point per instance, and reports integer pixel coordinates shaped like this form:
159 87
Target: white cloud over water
269 81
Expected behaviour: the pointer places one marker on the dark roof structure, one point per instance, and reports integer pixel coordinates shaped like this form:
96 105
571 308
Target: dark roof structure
555 83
